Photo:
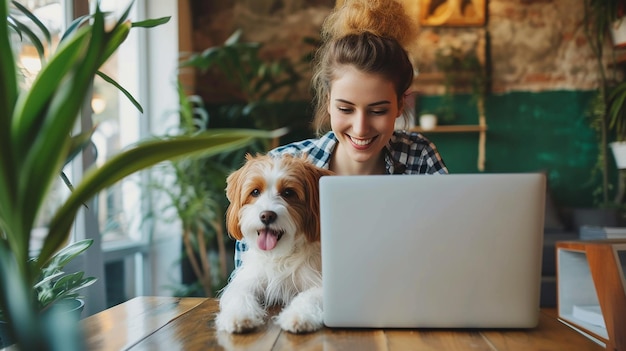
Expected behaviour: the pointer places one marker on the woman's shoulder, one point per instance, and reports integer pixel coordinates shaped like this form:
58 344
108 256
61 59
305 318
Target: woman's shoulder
318 150
293 148
417 153
403 138
298 147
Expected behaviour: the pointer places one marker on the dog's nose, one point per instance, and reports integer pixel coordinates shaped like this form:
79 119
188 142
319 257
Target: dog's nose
267 217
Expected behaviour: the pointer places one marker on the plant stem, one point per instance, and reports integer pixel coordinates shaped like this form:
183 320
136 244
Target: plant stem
191 255
205 278
221 247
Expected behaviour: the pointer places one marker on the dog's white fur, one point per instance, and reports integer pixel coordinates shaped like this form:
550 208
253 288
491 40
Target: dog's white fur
274 197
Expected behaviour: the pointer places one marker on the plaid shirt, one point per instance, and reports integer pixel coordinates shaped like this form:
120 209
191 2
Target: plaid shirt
406 153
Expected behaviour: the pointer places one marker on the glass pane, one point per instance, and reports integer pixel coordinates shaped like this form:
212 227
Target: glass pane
118 124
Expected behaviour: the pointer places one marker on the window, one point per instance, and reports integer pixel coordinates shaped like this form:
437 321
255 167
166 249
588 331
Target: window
121 250
118 125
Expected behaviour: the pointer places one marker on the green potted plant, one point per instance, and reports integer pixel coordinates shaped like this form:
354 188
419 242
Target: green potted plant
616 107
253 89
196 195
56 288
606 108
616 111
461 70
35 141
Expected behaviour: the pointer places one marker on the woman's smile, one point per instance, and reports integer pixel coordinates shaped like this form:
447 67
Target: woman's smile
360 143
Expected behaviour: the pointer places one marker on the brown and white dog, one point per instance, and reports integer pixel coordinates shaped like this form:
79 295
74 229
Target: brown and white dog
274 208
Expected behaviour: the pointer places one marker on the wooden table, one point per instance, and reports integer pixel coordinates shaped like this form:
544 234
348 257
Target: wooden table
168 323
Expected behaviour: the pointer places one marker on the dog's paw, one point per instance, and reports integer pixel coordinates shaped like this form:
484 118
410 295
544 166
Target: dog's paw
238 322
294 322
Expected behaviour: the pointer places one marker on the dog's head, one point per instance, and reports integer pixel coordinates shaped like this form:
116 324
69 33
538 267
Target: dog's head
274 200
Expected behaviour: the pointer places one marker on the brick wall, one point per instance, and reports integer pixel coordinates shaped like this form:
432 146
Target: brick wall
534 45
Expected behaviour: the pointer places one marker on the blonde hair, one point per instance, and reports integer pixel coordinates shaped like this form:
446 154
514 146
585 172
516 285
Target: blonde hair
368 35
384 18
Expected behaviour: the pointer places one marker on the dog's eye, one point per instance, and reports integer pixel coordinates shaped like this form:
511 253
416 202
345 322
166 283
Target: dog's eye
287 193
255 193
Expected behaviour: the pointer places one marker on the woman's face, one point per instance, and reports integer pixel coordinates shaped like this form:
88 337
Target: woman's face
363 109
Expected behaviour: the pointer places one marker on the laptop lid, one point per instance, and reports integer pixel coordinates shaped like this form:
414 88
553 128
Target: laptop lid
449 251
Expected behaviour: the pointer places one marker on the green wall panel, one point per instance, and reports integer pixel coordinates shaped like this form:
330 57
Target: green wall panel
528 132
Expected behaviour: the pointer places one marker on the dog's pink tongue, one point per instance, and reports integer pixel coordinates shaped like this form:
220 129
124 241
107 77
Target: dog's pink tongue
266 239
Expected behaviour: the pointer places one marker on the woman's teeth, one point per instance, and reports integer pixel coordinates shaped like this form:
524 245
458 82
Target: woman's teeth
361 142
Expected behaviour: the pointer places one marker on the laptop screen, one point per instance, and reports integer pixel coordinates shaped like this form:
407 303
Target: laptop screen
458 250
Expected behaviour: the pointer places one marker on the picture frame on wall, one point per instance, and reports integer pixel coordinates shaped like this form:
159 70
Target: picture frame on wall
459 13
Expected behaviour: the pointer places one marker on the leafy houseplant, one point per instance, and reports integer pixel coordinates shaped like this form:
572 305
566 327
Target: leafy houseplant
461 69
616 110
607 108
616 107
254 90
196 196
54 287
36 140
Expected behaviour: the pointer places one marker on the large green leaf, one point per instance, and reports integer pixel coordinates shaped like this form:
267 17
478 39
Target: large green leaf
8 95
141 156
73 27
126 93
31 108
22 29
113 40
67 254
78 143
36 21
152 22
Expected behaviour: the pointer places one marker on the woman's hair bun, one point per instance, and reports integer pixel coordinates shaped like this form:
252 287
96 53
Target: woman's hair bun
385 18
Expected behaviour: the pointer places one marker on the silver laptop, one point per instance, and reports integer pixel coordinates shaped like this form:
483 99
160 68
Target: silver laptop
444 251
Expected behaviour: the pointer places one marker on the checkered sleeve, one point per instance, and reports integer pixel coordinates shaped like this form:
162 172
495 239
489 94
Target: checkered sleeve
418 153
318 151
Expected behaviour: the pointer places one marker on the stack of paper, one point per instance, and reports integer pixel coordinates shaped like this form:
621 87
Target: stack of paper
595 233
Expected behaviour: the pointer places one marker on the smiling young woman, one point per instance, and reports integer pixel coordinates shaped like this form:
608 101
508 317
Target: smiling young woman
361 75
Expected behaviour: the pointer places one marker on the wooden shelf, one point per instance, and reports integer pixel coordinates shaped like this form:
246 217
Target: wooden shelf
480 128
620 60
429 78
462 81
452 129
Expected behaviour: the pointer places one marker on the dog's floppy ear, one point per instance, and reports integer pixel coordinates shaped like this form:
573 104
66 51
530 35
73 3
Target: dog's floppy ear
313 175
234 183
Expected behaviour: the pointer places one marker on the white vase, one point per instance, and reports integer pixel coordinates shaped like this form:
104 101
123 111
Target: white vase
618 32
428 121
619 153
